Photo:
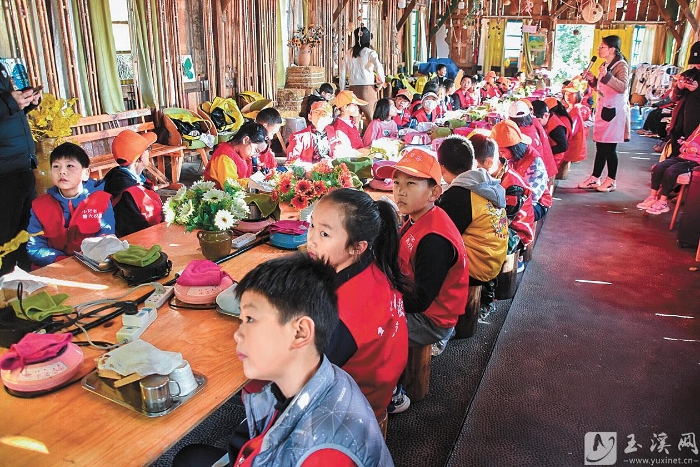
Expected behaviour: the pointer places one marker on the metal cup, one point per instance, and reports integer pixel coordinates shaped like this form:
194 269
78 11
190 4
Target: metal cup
155 393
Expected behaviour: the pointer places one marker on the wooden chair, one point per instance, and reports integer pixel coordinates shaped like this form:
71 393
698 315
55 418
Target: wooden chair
175 138
683 180
508 277
417 374
563 172
466 323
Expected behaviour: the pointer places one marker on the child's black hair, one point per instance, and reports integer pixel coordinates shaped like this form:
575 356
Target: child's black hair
431 86
376 223
456 154
255 131
560 110
296 286
518 151
484 147
447 84
539 108
525 120
269 115
381 111
326 87
440 66
70 151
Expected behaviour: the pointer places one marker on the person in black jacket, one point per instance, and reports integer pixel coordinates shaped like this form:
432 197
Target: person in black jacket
17 160
136 205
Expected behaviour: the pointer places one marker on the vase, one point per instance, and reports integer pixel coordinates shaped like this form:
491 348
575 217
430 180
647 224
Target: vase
304 55
215 244
42 174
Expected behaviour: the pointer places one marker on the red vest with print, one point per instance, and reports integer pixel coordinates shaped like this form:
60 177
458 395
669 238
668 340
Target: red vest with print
466 99
422 116
301 144
380 332
85 221
577 143
553 122
148 201
539 146
521 167
546 153
451 301
524 221
350 131
402 118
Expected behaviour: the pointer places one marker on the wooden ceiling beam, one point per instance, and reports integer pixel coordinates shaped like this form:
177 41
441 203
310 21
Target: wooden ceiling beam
452 7
688 14
406 14
669 22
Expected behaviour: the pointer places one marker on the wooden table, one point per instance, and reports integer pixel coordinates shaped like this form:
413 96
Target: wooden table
82 429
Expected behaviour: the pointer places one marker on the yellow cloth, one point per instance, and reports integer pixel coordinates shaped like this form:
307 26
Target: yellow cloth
486 239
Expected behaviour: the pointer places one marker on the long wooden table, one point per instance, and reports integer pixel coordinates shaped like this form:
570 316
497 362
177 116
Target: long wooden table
80 428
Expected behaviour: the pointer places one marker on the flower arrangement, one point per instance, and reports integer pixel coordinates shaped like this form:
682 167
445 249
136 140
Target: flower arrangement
53 118
301 188
204 207
306 35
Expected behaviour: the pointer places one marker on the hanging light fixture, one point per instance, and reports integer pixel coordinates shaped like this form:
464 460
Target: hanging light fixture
401 4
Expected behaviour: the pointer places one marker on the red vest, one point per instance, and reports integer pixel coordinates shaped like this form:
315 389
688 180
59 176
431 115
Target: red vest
466 99
243 168
301 145
421 116
85 221
403 119
380 332
577 143
451 301
524 221
542 147
350 131
148 202
521 167
553 122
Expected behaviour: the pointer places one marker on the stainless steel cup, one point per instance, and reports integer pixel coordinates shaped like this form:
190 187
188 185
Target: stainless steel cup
155 393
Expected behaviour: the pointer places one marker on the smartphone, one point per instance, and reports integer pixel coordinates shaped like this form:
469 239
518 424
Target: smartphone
37 89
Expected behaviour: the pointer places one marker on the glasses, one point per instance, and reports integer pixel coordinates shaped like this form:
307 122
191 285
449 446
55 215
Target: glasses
603 47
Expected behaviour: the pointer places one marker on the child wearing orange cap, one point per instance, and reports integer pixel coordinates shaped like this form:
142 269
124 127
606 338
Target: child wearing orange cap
403 100
346 123
136 204
319 140
431 251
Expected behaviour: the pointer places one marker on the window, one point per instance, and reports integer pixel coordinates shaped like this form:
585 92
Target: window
122 39
512 45
638 37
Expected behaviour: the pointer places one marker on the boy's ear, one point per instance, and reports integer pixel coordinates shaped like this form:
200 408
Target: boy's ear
358 248
305 329
86 174
435 192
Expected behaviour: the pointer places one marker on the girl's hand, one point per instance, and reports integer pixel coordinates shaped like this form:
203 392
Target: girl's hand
602 71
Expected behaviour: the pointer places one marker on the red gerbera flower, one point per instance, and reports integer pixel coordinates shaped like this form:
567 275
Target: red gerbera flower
304 187
346 181
285 184
299 202
275 196
320 188
321 168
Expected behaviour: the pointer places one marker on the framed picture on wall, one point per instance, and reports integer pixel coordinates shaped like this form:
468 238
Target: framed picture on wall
188 74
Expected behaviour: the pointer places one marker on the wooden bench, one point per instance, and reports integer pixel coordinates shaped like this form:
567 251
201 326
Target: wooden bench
95 135
466 323
508 277
416 378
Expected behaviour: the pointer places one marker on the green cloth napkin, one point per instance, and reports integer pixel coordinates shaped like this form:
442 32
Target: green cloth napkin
138 256
264 202
361 166
456 123
41 305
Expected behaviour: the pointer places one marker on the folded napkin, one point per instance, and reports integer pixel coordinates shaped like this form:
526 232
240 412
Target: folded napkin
40 306
98 248
201 272
140 357
33 348
361 166
138 256
264 202
290 227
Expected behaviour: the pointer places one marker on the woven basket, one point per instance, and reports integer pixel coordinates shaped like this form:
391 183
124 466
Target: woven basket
305 77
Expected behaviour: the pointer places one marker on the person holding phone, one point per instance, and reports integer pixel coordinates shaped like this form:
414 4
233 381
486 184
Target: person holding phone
17 161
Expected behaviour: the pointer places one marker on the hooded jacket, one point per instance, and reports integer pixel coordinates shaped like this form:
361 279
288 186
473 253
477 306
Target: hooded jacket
17 151
476 203
65 223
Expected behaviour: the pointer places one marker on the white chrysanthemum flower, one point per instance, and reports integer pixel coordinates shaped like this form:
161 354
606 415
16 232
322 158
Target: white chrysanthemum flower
180 195
203 185
214 196
224 220
169 212
185 211
234 183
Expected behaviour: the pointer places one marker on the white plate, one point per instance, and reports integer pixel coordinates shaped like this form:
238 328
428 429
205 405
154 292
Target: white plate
228 303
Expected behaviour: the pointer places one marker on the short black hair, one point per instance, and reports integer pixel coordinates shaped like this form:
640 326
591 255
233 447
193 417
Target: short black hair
269 115
440 66
431 86
518 151
326 87
70 151
297 285
253 130
539 108
484 146
381 111
524 120
447 84
456 154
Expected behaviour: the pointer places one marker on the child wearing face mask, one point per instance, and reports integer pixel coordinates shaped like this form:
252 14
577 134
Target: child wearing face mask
427 110
347 102
319 140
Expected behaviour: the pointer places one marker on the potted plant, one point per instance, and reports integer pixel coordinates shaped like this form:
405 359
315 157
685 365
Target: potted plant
50 123
214 212
304 39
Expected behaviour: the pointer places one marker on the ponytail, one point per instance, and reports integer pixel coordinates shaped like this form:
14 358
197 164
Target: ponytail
386 246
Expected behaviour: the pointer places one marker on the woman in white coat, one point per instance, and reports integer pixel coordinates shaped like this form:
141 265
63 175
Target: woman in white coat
364 71
611 123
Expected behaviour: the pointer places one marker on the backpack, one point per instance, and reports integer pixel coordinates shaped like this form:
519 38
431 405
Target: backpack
690 148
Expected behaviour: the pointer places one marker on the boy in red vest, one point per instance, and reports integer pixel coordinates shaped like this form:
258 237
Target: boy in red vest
347 103
431 251
136 204
70 211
